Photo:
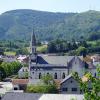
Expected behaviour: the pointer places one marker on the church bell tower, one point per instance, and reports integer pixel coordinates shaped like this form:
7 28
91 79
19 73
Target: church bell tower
33 52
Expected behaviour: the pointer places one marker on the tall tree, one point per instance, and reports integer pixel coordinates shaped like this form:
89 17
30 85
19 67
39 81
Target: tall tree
94 92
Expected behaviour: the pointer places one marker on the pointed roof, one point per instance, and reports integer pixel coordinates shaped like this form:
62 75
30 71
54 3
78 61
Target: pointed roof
66 78
33 39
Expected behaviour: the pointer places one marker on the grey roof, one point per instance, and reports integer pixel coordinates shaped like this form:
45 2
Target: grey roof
56 60
23 68
66 78
30 96
21 96
47 66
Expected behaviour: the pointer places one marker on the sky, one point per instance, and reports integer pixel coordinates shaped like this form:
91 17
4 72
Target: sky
50 5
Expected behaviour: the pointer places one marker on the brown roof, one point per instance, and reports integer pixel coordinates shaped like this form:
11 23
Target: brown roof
57 83
20 81
87 59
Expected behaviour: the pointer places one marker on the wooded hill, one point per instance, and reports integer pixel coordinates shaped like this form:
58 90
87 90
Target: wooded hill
18 24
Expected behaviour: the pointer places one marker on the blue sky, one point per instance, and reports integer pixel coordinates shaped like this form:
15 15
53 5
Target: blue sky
51 5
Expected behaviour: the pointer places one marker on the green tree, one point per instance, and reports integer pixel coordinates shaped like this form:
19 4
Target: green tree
82 51
94 93
10 68
47 79
48 86
2 73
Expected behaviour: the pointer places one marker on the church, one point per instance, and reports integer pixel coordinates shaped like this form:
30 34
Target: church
57 66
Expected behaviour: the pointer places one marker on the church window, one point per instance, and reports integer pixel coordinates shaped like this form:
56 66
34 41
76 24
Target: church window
94 74
55 76
40 75
63 75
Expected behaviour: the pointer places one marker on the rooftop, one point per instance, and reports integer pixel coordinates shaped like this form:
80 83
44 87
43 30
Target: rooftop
20 81
32 96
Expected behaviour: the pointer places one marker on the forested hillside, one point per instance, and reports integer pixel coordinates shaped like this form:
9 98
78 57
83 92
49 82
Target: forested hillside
18 24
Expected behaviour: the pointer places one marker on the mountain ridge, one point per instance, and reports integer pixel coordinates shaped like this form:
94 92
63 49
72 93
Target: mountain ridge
18 24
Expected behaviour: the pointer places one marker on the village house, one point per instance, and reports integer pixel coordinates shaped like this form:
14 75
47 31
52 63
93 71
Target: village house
70 86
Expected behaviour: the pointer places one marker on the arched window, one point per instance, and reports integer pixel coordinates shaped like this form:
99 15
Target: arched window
63 75
40 75
55 76
94 74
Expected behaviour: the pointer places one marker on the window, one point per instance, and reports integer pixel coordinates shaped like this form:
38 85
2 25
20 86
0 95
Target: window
15 88
74 89
55 76
63 75
47 73
40 75
23 70
64 89
71 81
94 74
90 88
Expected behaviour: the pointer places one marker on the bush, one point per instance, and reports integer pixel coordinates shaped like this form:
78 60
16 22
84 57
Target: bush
42 89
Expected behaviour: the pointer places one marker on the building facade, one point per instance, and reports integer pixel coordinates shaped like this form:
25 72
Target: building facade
57 66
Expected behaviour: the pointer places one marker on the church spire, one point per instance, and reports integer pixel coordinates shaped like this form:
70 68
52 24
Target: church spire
33 43
33 39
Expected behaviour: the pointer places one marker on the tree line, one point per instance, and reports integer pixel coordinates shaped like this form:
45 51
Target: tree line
17 46
74 47
8 69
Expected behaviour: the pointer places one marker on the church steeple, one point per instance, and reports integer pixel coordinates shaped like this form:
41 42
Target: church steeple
33 43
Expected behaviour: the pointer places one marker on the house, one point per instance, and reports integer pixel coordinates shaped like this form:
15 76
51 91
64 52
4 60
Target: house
23 58
9 58
19 84
57 66
70 86
23 72
35 96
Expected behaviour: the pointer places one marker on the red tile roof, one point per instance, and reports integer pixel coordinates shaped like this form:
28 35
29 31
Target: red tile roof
20 81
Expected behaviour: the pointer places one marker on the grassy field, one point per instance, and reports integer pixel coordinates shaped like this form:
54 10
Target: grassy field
10 53
91 42
42 48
